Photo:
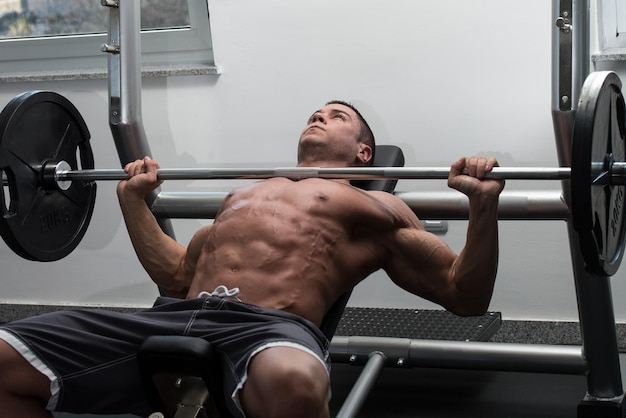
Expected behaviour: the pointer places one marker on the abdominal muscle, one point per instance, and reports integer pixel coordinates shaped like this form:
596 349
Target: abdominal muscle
286 245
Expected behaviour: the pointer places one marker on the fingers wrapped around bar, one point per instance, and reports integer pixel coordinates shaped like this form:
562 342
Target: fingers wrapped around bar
142 177
467 175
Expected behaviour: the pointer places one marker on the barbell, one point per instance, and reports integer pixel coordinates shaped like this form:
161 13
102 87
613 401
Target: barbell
61 175
49 189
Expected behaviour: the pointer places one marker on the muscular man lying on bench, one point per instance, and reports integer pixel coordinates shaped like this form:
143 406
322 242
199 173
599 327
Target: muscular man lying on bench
256 283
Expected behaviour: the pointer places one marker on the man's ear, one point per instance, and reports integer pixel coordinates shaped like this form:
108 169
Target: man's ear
365 153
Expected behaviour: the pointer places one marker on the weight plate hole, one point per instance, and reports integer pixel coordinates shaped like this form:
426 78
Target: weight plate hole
9 199
79 162
598 234
621 115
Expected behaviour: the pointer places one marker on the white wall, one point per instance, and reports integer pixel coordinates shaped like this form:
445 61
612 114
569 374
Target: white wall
440 79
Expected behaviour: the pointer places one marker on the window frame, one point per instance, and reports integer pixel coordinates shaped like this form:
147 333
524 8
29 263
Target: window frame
164 52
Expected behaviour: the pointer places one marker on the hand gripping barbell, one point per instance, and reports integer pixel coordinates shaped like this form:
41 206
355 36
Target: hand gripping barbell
43 136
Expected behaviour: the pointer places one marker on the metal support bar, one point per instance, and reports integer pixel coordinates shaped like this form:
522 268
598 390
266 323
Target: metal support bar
564 23
124 69
513 205
597 325
445 205
468 355
124 75
595 305
363 386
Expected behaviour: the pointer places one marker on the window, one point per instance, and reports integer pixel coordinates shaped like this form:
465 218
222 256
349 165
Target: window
612 28
620 11
62 38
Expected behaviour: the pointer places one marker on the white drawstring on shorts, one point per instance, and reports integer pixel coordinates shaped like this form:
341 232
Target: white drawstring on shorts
222 291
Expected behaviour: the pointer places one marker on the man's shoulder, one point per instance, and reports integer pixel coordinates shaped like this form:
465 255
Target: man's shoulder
383 196
393 203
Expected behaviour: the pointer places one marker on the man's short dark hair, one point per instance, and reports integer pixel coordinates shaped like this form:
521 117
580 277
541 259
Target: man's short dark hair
366 135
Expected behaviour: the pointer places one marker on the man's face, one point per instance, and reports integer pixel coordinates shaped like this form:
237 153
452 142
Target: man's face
334 129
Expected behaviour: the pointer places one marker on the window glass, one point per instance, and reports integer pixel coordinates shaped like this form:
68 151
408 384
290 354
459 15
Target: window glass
620 11
36 18
612 24
60 37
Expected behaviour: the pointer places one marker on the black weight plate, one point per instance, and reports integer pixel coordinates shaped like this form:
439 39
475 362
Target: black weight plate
597 202
39 127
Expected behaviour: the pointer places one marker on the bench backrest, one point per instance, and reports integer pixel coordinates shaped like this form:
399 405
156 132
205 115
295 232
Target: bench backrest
386 156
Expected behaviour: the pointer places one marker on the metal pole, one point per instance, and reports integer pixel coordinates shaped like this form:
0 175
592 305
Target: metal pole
467 355
363 386
599 335
124 75
124 59
570 67
445 205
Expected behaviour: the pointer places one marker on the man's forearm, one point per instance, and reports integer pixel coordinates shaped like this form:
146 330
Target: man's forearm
159 254
477 265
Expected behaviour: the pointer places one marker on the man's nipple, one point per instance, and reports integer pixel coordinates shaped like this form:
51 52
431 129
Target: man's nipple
239 204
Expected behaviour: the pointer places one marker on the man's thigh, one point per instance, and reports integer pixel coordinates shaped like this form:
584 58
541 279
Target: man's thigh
19 377
277 372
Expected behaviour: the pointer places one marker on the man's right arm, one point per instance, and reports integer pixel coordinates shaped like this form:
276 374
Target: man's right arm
169 264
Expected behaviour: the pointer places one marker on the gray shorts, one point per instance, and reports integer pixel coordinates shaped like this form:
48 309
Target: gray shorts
90 355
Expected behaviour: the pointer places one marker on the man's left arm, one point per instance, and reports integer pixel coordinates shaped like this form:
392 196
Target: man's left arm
423 264
476 266
474 270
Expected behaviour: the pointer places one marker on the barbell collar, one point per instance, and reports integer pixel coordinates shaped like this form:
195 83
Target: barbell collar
608 173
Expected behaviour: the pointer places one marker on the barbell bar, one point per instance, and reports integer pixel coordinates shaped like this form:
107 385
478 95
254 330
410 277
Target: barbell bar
351 173
61 175
46 205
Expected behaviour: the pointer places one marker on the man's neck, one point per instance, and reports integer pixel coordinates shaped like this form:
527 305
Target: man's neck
326 164
322 163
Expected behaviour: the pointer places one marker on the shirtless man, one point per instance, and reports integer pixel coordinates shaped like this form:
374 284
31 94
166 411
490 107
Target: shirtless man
279 253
